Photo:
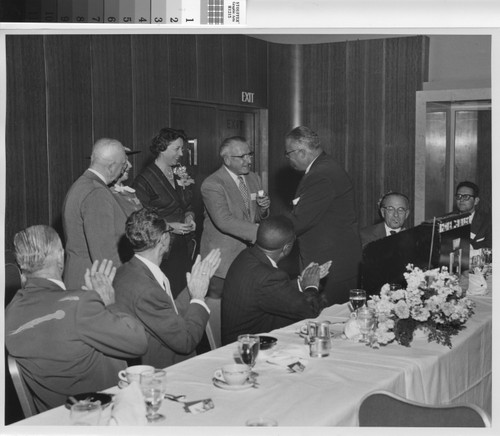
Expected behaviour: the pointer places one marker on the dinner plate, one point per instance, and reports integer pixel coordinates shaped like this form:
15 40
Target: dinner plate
223 385
105 399
267 342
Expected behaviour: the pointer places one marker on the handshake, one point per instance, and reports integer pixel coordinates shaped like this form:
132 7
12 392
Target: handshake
313 273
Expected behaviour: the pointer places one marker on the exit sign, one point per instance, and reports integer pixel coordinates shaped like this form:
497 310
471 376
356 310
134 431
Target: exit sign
247 97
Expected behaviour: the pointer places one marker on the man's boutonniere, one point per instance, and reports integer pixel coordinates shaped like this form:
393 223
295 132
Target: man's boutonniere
183 178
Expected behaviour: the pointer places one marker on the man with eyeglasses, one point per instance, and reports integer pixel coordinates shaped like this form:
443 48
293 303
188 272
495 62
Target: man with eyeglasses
233 210
174 327
93 220
467 201
323 214
394 208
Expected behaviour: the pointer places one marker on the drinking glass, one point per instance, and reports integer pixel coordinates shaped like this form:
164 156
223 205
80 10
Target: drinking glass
357 299
366 318
248 347
153 390
86 413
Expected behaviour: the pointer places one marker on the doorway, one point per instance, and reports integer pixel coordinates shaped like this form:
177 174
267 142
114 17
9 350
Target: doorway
453 143
206 125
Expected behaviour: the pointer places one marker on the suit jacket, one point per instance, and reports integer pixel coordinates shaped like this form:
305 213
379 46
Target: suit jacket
172 338
93 223
481 228
227 225
258 298
67 342
325 220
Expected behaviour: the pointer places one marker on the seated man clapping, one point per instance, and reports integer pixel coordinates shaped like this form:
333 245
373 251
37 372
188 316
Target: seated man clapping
66 341
174 327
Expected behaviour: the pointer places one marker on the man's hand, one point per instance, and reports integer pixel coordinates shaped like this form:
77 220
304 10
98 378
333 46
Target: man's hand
310 276
181 228
324 269
189 220
201 273
263 201
99 278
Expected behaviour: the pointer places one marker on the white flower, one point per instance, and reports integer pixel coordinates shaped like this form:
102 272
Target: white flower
402 310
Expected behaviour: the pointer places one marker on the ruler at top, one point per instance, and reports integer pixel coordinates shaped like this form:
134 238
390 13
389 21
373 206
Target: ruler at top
161 12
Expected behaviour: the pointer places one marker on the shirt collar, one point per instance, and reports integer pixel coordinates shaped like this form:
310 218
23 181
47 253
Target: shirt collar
388 230
155 269
98 175
58 282
234 176
273 263
310 165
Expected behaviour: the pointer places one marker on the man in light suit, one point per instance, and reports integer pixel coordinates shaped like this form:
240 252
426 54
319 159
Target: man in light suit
173 327
323 214
93 220
231 220
259 296
394 208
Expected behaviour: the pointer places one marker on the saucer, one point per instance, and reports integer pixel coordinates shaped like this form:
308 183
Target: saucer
122 384
223 385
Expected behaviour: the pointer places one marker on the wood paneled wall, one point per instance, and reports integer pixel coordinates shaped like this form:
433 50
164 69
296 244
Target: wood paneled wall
66 91
359 96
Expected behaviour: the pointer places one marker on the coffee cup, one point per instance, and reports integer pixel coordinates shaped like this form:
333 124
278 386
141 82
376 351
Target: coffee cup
133 373
233 374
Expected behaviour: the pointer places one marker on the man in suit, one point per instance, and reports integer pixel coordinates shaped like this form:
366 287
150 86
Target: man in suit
173 327
394 208
233 210
258 296
323 213
66 341
93 220
467 200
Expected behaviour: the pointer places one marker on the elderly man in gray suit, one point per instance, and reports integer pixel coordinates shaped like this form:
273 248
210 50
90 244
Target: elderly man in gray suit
93 221
233 209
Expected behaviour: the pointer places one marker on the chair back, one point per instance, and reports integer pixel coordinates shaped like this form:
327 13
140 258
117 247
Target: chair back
23 393
385 409
213 328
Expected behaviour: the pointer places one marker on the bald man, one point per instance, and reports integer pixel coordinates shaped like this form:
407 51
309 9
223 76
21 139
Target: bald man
93 220
258 296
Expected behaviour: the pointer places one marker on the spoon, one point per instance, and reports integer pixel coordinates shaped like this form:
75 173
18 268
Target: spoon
178 398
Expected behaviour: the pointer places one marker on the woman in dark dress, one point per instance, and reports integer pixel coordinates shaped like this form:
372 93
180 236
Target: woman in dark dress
158 186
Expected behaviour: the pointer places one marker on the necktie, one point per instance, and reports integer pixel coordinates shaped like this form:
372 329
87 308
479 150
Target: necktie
166 286
393 232
244 193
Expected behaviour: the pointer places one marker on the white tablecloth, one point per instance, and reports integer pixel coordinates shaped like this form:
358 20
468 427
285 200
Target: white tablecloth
329 391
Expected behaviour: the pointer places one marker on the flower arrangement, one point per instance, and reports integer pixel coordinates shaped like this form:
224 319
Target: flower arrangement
183 178
433 302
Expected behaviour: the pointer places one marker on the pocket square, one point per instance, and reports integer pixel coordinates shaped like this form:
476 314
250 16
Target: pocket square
295 201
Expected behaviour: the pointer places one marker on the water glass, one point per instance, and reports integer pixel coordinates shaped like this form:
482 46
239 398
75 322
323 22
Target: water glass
86 413
366 319
152 390
357 299
248 347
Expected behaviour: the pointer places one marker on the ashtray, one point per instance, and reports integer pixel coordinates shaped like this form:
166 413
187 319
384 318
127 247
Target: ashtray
90 397
267 342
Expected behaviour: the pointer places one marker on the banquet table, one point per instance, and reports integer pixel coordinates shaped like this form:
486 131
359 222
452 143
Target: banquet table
328 392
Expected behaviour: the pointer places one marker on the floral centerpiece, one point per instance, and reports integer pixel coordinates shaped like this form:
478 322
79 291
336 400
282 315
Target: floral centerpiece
433 302
183 178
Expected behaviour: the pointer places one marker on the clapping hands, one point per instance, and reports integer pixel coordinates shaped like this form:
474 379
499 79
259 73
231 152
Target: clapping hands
99 278
201 273
313 273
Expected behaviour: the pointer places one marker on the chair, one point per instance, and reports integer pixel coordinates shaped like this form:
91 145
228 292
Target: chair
22 390
385 409
213 328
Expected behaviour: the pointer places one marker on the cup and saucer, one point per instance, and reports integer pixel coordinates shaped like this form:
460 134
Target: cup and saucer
233 377
133 373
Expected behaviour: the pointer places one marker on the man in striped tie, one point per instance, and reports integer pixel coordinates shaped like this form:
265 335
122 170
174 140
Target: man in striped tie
173 327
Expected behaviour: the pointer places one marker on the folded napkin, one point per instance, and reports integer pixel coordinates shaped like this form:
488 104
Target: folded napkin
129 407
351 329
477 284
293 363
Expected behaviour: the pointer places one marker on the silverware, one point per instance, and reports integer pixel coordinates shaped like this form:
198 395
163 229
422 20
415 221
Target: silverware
178 398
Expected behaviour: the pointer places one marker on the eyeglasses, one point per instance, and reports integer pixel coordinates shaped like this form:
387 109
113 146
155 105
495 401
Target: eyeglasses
465 197
287 153
392 210
243 156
